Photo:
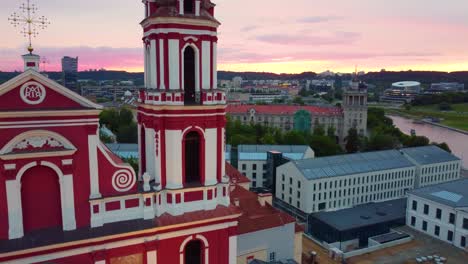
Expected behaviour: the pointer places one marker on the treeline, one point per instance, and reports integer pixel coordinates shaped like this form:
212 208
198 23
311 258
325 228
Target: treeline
385 135
121 123
447 98
324 143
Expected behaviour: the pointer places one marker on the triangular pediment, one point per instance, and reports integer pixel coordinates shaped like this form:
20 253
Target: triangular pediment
33 91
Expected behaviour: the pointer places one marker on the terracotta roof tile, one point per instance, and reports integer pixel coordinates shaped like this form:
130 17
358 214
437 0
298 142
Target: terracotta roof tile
220 211
235 175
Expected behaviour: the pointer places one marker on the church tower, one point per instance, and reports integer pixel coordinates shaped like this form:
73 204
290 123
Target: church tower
355 107
181 116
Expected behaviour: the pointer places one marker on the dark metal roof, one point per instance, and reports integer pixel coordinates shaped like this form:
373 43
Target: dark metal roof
364 215
429 155
453 193
350 164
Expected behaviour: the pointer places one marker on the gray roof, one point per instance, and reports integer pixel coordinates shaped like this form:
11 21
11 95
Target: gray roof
124 150
364 215
259 152
350 164
453 193
429 155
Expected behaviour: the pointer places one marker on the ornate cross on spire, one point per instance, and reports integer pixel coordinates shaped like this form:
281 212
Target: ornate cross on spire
30 21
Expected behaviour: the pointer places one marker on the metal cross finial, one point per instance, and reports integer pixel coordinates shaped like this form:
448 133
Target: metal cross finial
29 21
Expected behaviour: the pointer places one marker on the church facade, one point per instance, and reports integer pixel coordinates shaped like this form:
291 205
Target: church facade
66 198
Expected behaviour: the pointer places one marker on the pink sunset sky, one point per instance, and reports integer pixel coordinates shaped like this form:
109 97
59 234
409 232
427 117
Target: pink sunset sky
259 35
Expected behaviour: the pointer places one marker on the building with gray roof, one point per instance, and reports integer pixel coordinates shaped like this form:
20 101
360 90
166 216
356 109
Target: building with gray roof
251 160
343 181
441 211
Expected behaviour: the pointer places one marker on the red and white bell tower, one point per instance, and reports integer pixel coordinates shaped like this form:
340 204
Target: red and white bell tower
181 117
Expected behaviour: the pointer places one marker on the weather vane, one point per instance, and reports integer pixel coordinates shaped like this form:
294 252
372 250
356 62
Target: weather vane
30 21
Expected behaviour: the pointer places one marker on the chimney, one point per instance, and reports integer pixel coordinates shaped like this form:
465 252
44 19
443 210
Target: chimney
264 198
31 61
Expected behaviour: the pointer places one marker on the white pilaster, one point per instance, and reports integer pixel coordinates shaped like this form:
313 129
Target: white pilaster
68 203
15 211
215 65
173 159
210 156
223 153
197 7
151 257
152 63
150 152
181 7
174 62
232 249
93 166
206 64
161 64
145 55
140 173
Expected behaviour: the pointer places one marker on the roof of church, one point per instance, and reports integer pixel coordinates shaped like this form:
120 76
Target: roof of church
235 175
256 217
283 109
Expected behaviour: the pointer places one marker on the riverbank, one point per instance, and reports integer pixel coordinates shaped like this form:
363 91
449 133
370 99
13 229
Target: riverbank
456 120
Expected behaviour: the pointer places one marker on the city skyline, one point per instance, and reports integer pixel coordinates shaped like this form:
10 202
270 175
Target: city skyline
285 38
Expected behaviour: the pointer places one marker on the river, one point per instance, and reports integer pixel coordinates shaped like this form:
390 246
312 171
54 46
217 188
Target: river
457 142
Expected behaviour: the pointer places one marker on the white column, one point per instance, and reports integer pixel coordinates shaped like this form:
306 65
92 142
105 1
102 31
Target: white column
174 59
232 249
68 203
181 7
173 159
146 64
157 170
197 7
152 63
161 64
140 173
210 156
150 152
215 65
206 64
151 257
223 153
15 210
93 166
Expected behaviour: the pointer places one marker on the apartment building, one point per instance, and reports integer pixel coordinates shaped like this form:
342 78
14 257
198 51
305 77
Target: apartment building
343 181
441 211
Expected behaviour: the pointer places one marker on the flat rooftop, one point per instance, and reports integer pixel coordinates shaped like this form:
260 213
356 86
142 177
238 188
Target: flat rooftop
363 215
259 152
429 155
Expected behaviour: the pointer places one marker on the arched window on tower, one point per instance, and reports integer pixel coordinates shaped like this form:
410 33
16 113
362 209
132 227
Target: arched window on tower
189 75
188 7
192 158
193 252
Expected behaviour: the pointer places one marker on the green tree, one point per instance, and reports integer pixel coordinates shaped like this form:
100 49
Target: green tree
324 146
331 132
443 146
268 139
125 116
319 130
127 133
298 100
416 141
381 142
353 142
294 138
444 106
110 118
133 162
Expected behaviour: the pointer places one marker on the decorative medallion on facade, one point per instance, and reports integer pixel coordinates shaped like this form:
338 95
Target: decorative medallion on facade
123 180
32 93
39 142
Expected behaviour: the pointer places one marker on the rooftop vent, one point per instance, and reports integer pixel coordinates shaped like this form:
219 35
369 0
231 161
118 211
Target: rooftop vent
365 217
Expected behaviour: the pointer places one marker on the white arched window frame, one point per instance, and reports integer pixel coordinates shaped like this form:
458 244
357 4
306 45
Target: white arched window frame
189 239
197 63
37 139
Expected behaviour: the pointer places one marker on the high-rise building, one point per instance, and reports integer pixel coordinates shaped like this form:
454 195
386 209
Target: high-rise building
70 73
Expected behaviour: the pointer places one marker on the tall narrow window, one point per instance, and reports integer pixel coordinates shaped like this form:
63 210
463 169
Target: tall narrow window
192 158
189 75
188 7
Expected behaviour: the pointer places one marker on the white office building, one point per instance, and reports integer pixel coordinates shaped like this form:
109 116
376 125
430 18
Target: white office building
252 159
343 181
441 211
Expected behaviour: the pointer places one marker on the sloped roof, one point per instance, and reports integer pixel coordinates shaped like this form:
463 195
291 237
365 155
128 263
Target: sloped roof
429 155
349 164
453 193
234 175
283 109
56 87
256 217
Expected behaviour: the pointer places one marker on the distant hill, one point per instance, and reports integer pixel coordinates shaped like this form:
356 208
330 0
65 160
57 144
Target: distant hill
383 77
